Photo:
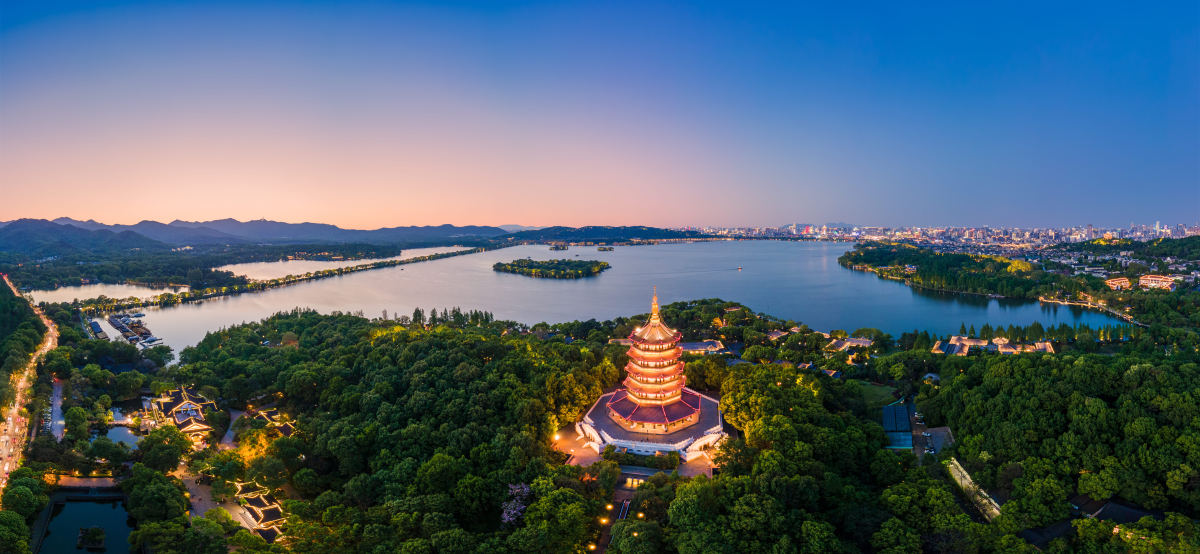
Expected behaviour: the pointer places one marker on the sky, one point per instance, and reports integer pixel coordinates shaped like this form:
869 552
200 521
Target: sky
371 114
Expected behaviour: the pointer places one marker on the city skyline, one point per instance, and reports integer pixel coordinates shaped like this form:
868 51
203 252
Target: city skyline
370 116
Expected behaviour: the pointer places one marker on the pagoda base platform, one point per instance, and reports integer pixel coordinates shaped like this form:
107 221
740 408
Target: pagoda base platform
654 419
690 441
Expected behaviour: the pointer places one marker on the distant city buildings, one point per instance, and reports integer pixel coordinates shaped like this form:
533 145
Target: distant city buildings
984 240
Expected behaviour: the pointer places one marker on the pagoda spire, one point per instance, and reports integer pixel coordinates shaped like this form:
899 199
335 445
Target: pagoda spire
654 304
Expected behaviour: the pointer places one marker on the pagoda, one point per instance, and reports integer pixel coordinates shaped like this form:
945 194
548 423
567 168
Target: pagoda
655 398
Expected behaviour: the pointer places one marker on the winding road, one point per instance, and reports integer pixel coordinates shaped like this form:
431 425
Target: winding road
12 439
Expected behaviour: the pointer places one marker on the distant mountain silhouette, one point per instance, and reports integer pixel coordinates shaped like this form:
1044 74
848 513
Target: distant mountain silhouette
232 231
41 238
262 230
170 234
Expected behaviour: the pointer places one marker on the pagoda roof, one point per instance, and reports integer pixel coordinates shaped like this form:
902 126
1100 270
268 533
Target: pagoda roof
655 331
625 406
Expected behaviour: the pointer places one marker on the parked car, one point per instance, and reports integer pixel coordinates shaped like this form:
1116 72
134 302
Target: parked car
929 450
926 434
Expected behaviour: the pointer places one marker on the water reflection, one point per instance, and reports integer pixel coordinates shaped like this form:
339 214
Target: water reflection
798 281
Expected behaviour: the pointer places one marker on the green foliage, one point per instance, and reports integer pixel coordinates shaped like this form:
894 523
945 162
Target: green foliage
970 273
553 269
669 460
153 496
163 448
14 533
409 437
1039 428
20 334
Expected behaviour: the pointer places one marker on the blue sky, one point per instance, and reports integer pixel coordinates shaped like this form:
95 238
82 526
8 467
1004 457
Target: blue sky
376 113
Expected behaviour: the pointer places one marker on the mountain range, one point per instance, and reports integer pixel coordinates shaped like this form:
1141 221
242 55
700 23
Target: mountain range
64 236
232 231
39 238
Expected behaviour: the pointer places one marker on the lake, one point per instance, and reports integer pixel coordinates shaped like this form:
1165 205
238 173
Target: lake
121 434
68 517
84 292
792 280
273 270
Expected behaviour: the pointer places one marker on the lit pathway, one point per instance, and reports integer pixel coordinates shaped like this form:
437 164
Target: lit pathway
13 436
58 425
227 440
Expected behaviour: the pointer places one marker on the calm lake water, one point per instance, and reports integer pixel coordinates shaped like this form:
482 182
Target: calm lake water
792 280
84 292
121 434
67 518
274 270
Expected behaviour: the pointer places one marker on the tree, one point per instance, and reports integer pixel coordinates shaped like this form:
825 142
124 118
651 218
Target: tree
894 537
14 533
22 501
163 448
636 537
161 355
76 419
556 522
153 496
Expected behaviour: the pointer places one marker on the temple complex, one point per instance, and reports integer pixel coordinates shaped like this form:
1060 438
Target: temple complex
654 412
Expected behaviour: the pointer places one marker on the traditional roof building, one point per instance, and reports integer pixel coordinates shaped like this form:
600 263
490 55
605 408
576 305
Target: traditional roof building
184 408
263 509
276 421
702 347
961 346
840 345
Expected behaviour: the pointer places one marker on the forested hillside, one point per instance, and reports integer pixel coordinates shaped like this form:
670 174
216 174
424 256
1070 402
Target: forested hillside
1038 428
20 333
433 434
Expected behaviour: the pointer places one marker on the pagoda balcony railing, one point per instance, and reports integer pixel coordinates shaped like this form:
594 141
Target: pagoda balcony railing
677 382
655 355
653 391
655 379
654 364
656 345
672 369
656 399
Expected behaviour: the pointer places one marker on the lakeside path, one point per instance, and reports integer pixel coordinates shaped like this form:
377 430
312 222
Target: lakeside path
14 435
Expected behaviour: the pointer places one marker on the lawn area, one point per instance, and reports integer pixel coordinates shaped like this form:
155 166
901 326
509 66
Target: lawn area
877 396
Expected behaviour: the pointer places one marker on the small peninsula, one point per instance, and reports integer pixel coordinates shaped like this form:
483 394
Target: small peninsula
553 269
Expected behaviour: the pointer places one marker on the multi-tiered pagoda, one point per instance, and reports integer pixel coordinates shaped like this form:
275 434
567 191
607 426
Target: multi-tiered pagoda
655 398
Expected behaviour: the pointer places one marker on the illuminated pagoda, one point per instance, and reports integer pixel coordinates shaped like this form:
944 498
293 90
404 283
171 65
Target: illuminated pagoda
655 399
653 412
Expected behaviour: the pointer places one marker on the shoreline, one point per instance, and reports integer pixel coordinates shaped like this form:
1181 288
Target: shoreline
1097 308
91 307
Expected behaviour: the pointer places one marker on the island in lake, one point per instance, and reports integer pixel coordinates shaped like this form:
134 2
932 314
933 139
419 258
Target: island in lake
553 269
